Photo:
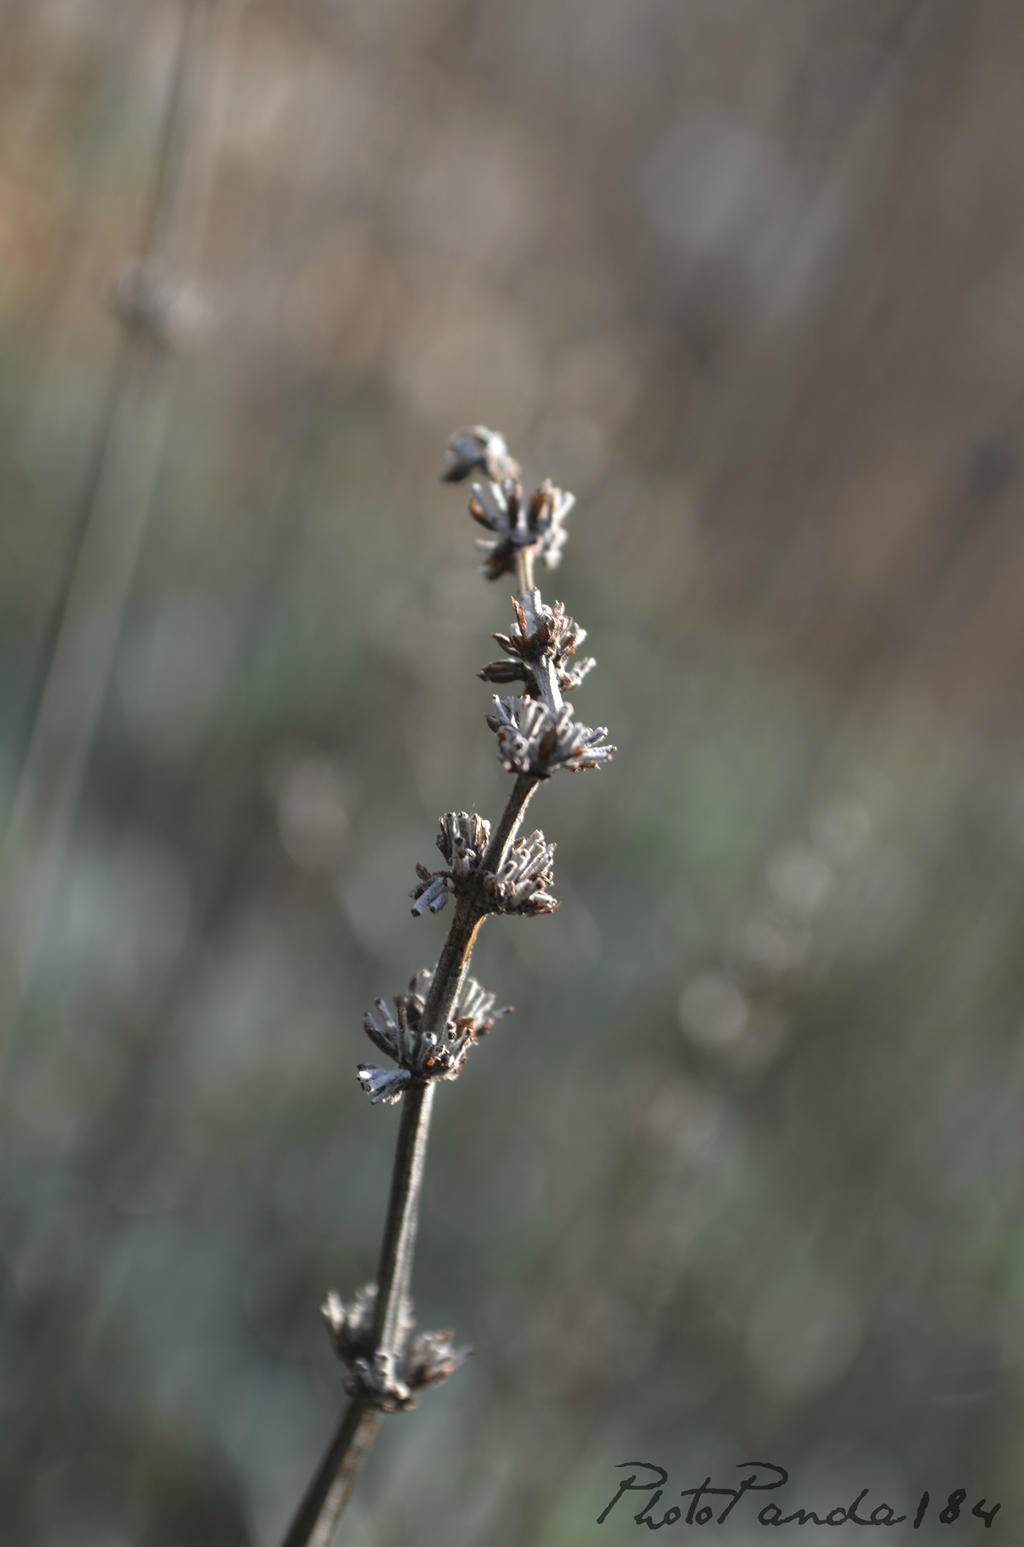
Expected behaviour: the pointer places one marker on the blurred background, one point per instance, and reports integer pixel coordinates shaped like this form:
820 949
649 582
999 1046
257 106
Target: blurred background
744 1175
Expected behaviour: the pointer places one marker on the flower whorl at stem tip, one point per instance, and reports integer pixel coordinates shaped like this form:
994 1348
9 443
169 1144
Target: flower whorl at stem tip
538 522
419 1361
532 740
478 450
522 880
539 633
421 1054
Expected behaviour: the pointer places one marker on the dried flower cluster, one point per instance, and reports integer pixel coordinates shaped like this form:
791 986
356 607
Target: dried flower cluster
424 1360
478 450
422 1054
521 882
533 739
537 523
539 635
519 885
537 735
463 841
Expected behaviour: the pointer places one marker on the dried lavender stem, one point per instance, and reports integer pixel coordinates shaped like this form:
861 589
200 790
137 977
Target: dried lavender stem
398 1245
328 1493
507 828
533 740
326 1497
403 1210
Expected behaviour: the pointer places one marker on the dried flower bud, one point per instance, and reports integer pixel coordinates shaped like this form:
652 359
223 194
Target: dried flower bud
478 450
463 840
431 1358
533 740
549 508
505 672
422 1054
351 1324
521 883
431 892
395 1035
383 1085
570 678
476 1013
538 522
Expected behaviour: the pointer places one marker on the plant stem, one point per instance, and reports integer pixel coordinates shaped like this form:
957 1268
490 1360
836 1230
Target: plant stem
325 1499
321 1508
398 1245
327 1494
